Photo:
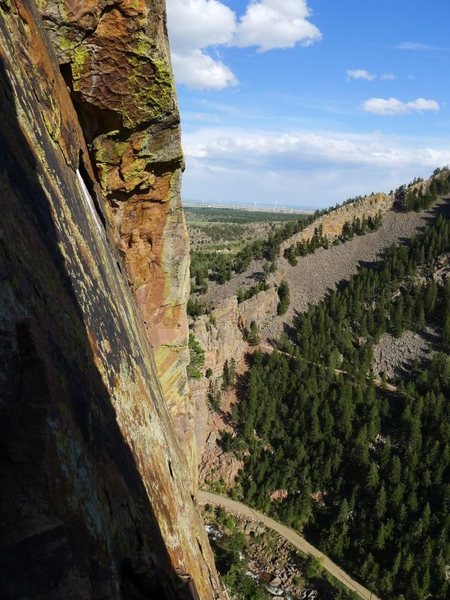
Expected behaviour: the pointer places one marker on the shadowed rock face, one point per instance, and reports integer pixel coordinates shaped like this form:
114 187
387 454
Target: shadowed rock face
95 498
115 59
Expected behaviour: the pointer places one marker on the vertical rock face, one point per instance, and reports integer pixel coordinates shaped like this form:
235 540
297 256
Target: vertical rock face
220 334
115 59
95 498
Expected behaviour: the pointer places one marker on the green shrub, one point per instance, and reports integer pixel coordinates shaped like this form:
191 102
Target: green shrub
285 298
197 354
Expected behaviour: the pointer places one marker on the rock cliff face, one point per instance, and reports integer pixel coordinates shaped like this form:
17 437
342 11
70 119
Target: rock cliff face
95 496
220 334
115 59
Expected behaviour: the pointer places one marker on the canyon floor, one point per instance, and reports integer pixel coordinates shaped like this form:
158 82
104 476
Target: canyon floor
290 536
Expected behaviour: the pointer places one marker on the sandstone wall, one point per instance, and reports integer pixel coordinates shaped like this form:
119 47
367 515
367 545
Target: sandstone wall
115 59
220 334
95 498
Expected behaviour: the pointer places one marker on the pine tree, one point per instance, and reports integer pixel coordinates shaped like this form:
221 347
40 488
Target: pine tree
446 332
372 478
380 504
284 296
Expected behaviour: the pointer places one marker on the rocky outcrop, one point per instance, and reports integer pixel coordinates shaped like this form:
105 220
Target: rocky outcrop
333 222
221 338
115 59
260 308
217 466
95 496
220 334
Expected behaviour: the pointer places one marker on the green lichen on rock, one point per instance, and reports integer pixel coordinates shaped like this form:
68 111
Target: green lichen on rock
65 43
151 87
123 82
80 57
96 457
108 149
143 45
52 120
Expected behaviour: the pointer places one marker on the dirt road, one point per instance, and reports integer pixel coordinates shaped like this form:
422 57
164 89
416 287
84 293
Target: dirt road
291 536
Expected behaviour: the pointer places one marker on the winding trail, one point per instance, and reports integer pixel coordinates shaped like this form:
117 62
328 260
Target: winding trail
379 383
242 510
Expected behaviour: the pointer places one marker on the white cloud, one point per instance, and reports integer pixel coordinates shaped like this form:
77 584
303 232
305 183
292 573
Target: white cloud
415 46
270 24
361 74
198 70
295 148
197 25
302 167
202 117
393 106
366 75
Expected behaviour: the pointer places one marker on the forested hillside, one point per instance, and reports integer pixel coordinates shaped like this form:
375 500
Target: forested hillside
219 264
362 470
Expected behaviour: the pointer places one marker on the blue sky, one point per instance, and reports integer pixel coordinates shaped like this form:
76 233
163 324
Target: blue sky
307 103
